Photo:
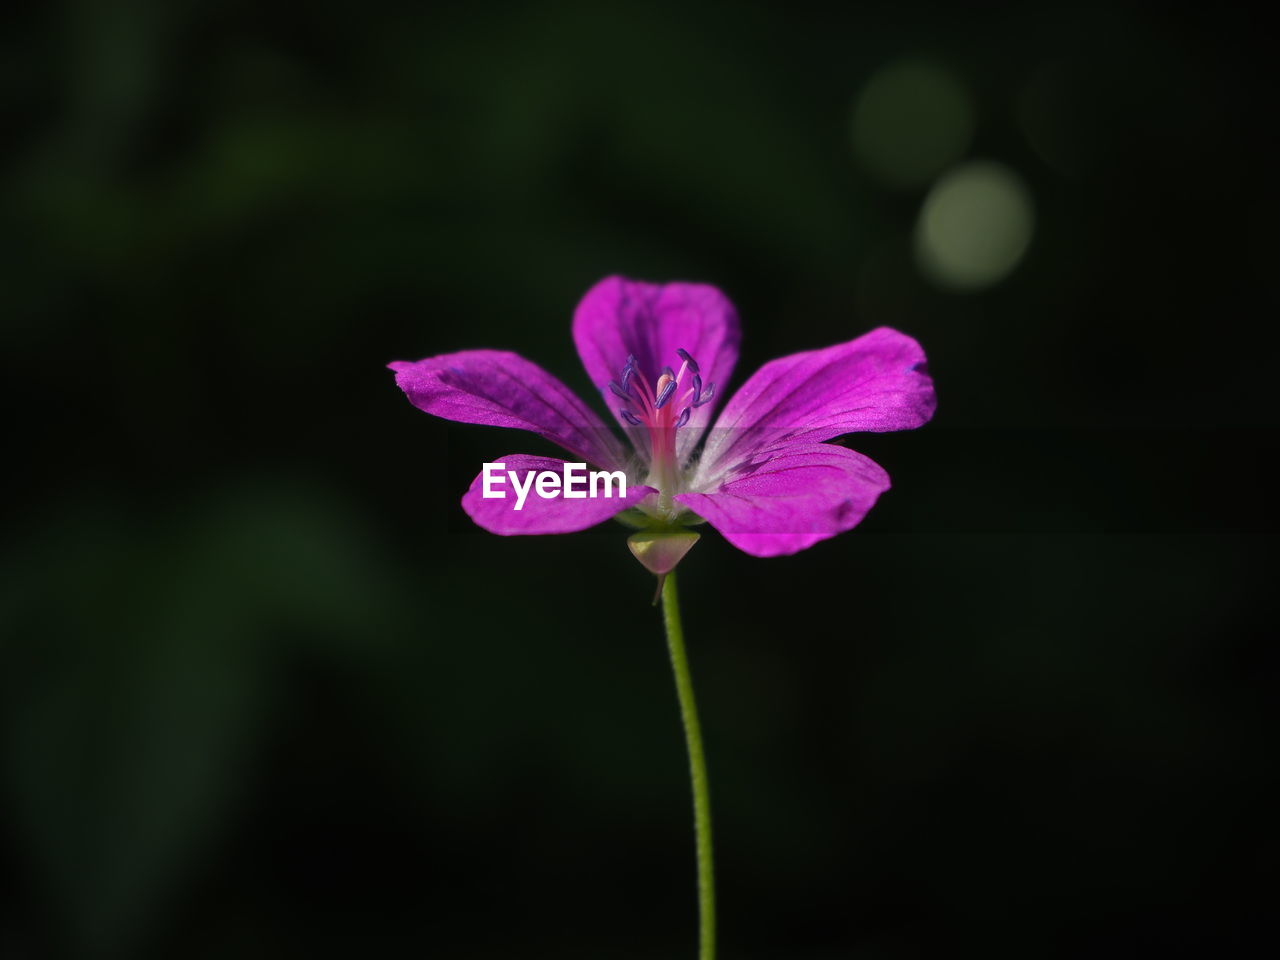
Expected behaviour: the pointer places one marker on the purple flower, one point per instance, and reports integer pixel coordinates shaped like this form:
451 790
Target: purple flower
763 477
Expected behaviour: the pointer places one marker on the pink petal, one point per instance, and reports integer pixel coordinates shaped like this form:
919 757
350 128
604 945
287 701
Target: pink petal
791 497
538 515
618 318
501 389
875 383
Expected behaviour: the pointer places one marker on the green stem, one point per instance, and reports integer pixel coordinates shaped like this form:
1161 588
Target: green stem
697 769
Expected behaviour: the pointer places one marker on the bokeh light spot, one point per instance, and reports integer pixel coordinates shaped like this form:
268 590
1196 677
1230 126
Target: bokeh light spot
911 120
974 227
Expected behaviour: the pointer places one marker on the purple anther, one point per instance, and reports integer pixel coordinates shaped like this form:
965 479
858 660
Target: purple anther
627 373
665 395
697 387
684 355
630 417
706 395
684 416
620 391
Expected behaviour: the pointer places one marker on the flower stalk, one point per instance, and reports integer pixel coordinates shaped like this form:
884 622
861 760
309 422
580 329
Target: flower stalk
697 769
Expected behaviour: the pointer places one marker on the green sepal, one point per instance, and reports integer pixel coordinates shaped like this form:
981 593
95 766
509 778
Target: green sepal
660 550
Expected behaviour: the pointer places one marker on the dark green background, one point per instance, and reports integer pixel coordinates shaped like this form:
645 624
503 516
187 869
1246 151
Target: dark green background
265 692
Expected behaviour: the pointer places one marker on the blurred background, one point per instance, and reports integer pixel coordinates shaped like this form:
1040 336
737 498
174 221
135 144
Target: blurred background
264 691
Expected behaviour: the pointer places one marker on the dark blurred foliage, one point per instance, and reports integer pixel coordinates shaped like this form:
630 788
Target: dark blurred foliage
265 692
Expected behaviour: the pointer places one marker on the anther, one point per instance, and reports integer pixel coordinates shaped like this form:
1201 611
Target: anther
620 391
684 416
705 395
684 355
630 417
665 393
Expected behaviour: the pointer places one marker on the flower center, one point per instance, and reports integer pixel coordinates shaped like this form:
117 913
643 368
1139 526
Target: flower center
660 410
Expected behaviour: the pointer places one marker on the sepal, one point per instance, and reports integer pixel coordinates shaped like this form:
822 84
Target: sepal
660 551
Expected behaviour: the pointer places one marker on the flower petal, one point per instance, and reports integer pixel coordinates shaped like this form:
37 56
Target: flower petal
501 389
875 383
555 514
619 318
791 497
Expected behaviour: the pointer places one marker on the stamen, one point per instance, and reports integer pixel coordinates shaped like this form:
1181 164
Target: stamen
639 386
684 355
665 393
653 405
